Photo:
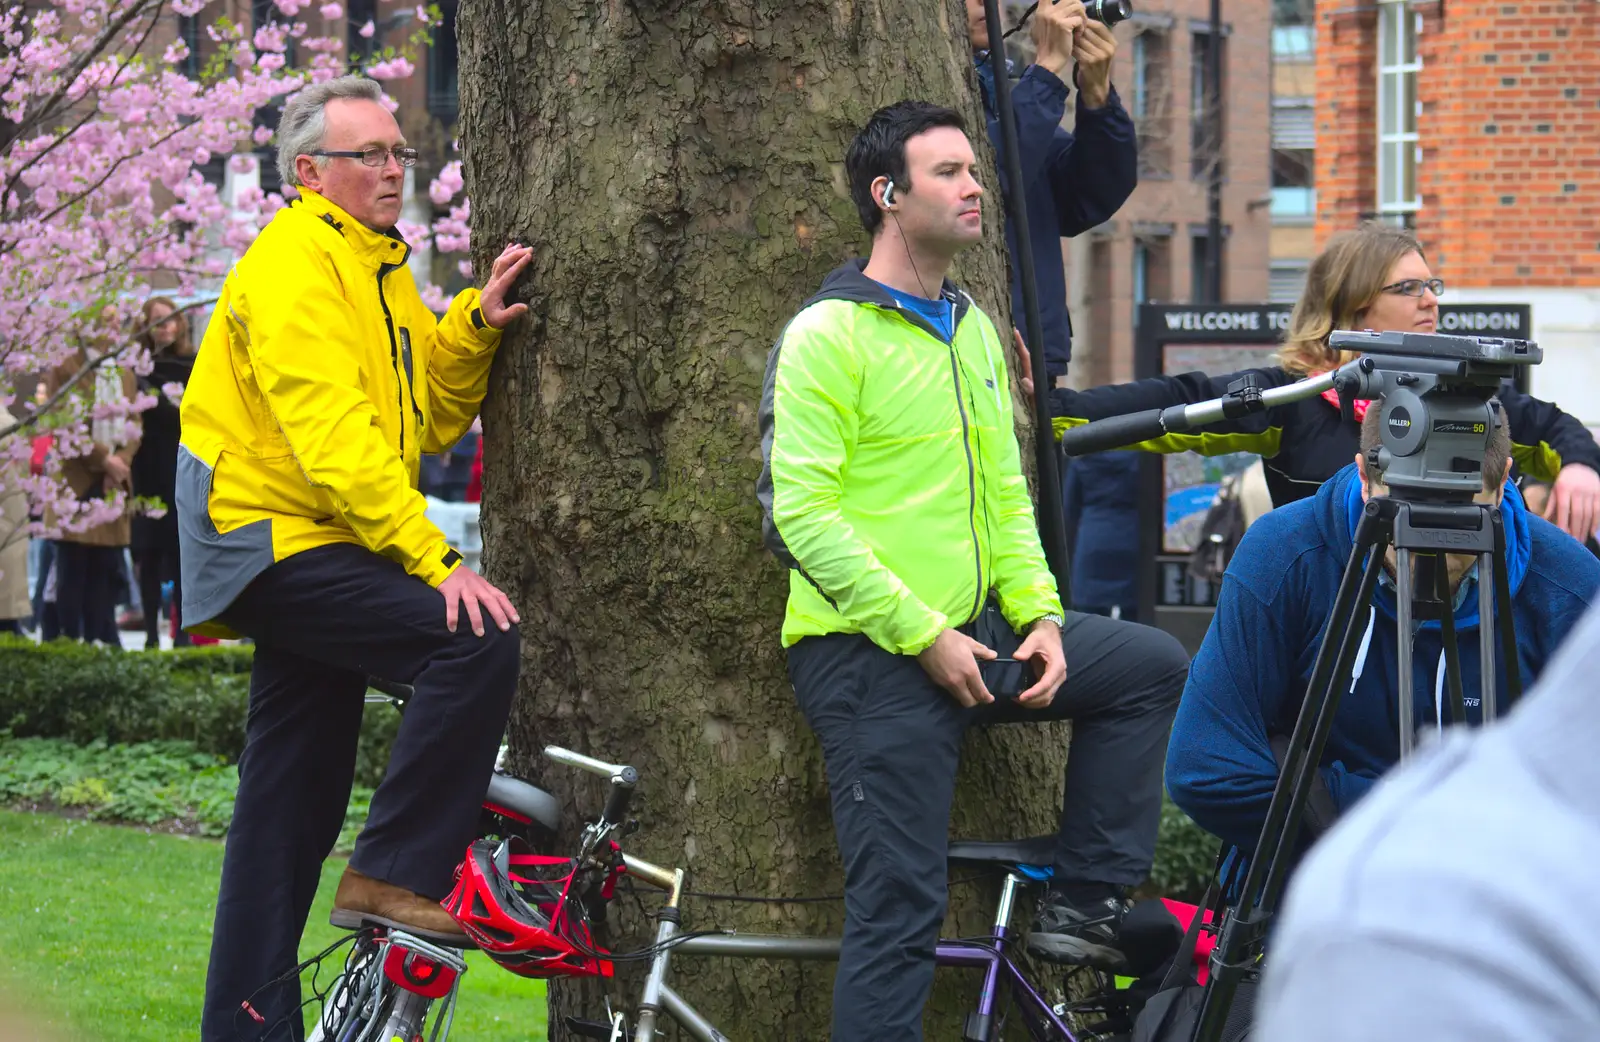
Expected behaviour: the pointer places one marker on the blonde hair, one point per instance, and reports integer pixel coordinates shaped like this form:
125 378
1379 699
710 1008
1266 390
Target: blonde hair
1344 281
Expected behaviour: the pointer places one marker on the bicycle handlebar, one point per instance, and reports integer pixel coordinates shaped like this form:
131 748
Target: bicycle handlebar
1115 432
611 771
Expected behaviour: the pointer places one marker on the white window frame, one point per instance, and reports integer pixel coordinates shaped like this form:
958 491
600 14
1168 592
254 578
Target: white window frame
1399 153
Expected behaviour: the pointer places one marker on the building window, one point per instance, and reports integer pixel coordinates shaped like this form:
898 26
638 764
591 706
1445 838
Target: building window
1293 194
1197 268
1206 110
1152 102
1285 280
444 103
360 48
1398 65
1152 272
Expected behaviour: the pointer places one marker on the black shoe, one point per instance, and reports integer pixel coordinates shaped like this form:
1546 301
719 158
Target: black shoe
1078 935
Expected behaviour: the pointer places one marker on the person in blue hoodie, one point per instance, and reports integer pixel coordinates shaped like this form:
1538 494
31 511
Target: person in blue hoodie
1247 683
1072 181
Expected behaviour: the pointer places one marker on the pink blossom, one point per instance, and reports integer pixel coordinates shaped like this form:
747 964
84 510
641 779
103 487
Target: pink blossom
413 233
242 164
366 31
447 184
465 268
435 299
389 103
175 52
261 135
332 11
392 69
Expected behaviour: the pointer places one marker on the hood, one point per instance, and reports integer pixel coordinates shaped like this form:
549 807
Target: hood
1338 511
849 282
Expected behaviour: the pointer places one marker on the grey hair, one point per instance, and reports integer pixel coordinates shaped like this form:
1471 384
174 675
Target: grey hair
302 126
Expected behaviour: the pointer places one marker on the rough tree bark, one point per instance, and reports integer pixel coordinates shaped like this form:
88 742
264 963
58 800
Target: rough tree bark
678 167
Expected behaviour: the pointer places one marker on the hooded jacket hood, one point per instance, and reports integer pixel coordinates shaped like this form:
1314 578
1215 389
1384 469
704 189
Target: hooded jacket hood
1338 508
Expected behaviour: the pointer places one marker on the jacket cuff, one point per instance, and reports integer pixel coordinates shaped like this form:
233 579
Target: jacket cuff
1049 81
437 564
1113 104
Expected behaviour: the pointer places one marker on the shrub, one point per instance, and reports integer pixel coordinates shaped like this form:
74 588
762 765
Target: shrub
88 694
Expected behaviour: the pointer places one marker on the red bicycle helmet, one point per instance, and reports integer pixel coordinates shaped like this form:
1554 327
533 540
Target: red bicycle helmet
513 904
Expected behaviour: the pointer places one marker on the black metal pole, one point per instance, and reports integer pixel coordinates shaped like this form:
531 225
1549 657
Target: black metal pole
1052 523
1213 116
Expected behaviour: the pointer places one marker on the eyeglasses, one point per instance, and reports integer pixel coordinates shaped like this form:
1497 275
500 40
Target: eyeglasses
1414 287
375 156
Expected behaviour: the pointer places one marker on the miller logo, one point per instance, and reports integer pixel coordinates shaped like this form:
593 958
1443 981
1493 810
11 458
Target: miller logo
1399 422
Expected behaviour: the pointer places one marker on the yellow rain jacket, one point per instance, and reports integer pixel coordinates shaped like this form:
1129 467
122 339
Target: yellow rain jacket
320 381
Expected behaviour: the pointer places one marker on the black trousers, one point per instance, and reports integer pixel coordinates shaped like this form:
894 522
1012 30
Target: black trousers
323 621
156 564
891 740
87 581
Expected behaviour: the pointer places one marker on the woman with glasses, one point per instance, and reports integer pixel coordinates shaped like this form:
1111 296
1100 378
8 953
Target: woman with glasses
1376 278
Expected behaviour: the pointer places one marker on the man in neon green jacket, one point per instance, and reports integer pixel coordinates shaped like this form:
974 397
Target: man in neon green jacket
893 489
321 379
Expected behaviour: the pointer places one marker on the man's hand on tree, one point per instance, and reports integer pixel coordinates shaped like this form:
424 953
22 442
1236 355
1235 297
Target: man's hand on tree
1054 25
1574 505
496 312
466 588
1043 643
1094 50
952 662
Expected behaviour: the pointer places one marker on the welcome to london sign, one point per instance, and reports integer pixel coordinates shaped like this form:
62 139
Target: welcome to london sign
1509 320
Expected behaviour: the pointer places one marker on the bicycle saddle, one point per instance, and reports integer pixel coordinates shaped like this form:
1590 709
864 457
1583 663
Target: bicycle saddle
1037 852
524 800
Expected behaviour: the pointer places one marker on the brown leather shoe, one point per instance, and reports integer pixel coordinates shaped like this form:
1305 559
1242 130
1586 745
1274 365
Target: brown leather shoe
364 901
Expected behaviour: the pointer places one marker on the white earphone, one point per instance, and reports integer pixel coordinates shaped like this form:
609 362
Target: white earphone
888 194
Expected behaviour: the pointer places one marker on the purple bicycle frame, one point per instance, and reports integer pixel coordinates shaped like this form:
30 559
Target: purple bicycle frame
994 957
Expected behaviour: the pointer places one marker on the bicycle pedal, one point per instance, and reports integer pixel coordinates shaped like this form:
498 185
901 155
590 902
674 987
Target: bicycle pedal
588 1028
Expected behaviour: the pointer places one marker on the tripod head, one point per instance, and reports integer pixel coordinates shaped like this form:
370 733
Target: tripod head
1434 394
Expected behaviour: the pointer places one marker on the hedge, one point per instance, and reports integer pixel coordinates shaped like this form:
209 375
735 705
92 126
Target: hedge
86 694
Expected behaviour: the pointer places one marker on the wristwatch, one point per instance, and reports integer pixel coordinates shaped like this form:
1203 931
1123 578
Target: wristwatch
1059 620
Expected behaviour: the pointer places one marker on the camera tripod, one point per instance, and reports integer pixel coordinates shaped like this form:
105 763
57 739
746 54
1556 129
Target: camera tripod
1420 533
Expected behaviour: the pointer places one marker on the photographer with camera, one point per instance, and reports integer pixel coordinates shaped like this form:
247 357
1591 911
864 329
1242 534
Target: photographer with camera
1374 277
1248 681
1072 180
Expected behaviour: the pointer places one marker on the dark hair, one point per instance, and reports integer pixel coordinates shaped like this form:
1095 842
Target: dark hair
1494 460
879 150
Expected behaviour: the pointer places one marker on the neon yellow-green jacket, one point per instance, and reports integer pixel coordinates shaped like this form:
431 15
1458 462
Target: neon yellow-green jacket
892 485
320 381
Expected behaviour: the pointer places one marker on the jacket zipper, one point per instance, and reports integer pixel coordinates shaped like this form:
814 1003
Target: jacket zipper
394 357
972 481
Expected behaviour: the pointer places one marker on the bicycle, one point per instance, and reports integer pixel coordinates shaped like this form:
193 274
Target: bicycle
392 981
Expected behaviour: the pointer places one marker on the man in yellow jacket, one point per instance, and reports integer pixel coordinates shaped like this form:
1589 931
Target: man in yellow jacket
321 380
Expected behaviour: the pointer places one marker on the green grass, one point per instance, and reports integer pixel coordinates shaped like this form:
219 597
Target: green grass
105 932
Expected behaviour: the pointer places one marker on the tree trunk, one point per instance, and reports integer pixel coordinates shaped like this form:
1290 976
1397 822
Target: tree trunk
678 167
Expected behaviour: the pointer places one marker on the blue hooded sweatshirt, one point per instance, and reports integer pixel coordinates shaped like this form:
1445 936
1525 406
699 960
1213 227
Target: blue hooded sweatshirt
1250 676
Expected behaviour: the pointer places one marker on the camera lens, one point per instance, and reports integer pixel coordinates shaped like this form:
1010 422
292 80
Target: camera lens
1108 12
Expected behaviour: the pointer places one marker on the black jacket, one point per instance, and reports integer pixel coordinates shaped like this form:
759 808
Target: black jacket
1306 442
1074 181
155 466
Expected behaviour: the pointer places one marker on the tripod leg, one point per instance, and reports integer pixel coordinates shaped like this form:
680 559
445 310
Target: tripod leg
1452 650
1244 929
1487 573
1408 684
1502 597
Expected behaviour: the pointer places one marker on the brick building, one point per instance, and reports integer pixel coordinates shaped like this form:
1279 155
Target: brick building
1153 250
1478 126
